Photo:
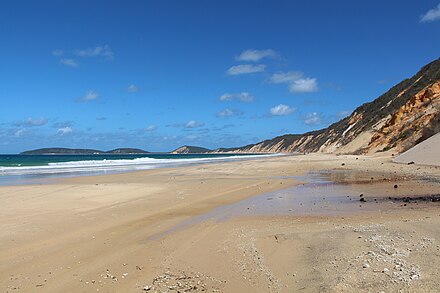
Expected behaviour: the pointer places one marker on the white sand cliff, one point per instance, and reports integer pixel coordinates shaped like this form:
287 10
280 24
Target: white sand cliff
424 153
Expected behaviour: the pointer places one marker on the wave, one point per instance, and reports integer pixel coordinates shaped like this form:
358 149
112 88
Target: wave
106 166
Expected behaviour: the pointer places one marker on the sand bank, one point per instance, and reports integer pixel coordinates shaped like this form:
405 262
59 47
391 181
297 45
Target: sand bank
202 227
424 153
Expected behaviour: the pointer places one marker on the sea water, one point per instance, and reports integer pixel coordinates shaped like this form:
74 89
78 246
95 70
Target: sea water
19 169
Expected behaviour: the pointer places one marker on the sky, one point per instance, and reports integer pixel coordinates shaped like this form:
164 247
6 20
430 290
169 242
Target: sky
157 75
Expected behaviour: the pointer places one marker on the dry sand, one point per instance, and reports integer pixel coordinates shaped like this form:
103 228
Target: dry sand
245 226
424 153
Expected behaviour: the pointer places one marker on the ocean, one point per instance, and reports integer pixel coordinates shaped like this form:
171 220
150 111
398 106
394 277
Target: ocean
25 169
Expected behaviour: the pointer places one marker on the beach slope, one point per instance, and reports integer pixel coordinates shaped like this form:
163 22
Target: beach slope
228 227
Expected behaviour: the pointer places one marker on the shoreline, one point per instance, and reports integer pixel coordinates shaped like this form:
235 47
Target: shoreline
21 175
98 232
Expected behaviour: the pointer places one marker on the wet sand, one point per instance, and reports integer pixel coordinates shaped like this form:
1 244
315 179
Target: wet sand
254 226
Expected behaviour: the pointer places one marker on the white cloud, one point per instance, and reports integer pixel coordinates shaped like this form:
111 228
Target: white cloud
64 130
227 97
286 77
191 137
431 15
57 53
69 62
35 121
190 124
63 124
296 81
256 55
30 122
246 69
304 85
132 88
169 137
225 113
228 113
19 133
193 124
281 110
151 128
89 96
313 119
242 97
103 51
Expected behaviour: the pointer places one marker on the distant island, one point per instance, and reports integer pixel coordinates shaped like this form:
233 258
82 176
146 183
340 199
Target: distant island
187 149
119 151
68 151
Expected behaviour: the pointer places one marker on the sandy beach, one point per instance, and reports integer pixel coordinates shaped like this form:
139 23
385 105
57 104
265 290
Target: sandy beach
281 224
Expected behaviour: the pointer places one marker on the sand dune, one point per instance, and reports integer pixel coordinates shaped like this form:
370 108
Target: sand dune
425 153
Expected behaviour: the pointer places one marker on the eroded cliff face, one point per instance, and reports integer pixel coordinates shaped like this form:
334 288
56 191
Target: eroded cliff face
415 121
402 117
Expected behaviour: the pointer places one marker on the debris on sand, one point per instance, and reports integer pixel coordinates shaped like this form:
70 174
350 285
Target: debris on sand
183 282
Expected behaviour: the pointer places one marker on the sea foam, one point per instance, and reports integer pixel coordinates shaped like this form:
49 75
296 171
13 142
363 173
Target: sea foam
115 166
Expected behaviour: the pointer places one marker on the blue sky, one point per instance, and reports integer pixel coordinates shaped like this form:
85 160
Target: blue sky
160 74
